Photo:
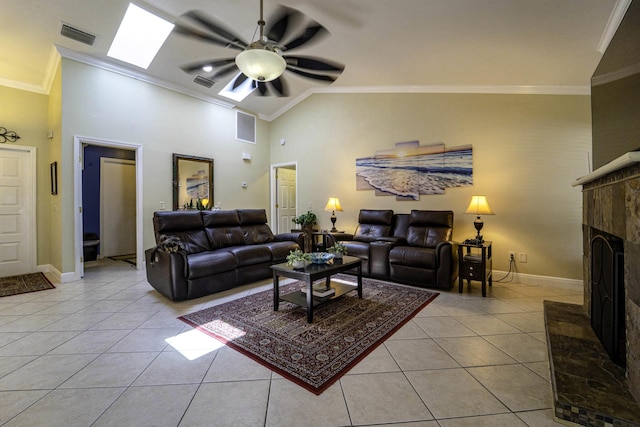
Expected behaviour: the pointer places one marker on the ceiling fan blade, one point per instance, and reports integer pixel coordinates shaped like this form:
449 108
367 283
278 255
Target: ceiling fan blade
310 33
232 67
225 38
239 80
201 35
310 63
280 86
277 30
262 88
197 66
321 77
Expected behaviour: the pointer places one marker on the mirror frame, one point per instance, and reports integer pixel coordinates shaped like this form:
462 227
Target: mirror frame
185 166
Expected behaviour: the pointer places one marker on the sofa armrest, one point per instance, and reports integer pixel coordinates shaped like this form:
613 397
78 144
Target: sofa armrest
447 264
297 237
167 272
331 239
395 241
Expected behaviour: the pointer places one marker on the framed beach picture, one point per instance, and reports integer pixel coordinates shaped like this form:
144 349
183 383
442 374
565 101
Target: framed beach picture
192 181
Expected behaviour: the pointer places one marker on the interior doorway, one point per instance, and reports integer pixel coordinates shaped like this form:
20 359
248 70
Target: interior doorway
17 210
284 196
134 201
117 207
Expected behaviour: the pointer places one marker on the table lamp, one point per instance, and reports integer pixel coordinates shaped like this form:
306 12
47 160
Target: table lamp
333 205
479 206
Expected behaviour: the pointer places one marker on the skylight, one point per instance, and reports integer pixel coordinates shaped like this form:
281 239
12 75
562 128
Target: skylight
239 93
140 37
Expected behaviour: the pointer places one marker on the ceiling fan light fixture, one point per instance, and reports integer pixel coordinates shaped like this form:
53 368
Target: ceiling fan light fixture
261 62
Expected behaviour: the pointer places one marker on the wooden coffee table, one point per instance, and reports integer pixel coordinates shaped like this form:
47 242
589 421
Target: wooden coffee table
310 274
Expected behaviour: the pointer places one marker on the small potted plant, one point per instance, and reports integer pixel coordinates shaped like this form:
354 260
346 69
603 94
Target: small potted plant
297 258
338 249
306 220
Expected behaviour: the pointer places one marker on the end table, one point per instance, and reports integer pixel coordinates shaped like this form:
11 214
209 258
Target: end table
475 264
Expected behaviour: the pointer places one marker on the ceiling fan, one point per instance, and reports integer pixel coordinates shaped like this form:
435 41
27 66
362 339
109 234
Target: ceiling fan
264 60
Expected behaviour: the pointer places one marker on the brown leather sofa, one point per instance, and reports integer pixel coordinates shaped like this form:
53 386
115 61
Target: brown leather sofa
221 250
414 249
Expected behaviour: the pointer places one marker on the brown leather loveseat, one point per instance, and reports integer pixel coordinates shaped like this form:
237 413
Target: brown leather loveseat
220 250
414 249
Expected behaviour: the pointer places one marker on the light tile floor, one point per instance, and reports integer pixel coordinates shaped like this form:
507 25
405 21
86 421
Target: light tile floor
109 351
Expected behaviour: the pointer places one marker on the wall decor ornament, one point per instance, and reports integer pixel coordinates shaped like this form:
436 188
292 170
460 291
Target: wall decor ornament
8 135
409 169
53 171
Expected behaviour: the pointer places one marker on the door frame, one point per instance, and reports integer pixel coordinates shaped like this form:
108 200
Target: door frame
78 142
32 193
274 192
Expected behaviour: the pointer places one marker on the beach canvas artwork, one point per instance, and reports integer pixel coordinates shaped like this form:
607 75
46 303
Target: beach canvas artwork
409 169
198 185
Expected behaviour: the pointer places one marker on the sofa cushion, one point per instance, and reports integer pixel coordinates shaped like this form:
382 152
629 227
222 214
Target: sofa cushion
359 249
249 255
257 234
209 263
186 226
254 226
373 224
400 225
428 228
413 256
280 250
375 216
223 228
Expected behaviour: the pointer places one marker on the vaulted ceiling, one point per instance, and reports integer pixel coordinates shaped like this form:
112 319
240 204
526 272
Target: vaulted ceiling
504 46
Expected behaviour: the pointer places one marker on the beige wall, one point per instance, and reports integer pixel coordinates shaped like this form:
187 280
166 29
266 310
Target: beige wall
57 244
104 105
26 114
527 150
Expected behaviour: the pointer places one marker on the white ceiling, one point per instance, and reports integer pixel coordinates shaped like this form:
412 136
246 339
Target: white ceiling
506 46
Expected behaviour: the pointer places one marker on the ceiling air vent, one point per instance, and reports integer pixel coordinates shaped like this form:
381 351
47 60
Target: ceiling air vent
203 81
77 35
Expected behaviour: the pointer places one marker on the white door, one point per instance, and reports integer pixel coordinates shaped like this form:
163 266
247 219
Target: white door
286 187
17 211
117 207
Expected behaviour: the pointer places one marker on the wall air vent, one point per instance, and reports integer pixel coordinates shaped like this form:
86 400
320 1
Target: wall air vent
76 34
245 127
203 81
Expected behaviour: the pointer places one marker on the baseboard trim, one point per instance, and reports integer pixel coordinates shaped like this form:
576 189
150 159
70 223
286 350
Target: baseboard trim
57 275
532 279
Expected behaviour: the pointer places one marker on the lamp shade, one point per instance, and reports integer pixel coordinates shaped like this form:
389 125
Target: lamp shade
479 206
260 63
333 205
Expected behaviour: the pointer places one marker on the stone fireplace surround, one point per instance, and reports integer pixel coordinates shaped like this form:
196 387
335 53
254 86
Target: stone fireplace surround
612 204
580 367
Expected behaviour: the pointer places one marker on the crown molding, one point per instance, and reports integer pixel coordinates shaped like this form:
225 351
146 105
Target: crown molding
477 89
128 72
619 9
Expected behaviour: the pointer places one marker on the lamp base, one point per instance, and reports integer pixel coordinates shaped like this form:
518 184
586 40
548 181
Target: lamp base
478 224
333 224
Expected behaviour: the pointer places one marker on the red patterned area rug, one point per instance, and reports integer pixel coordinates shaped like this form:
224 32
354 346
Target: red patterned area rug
313 355
22 284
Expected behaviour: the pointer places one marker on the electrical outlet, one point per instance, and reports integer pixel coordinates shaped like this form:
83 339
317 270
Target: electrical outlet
511 255
522 257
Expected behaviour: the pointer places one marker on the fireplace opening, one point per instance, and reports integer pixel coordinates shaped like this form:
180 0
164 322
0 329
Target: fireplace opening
607 294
